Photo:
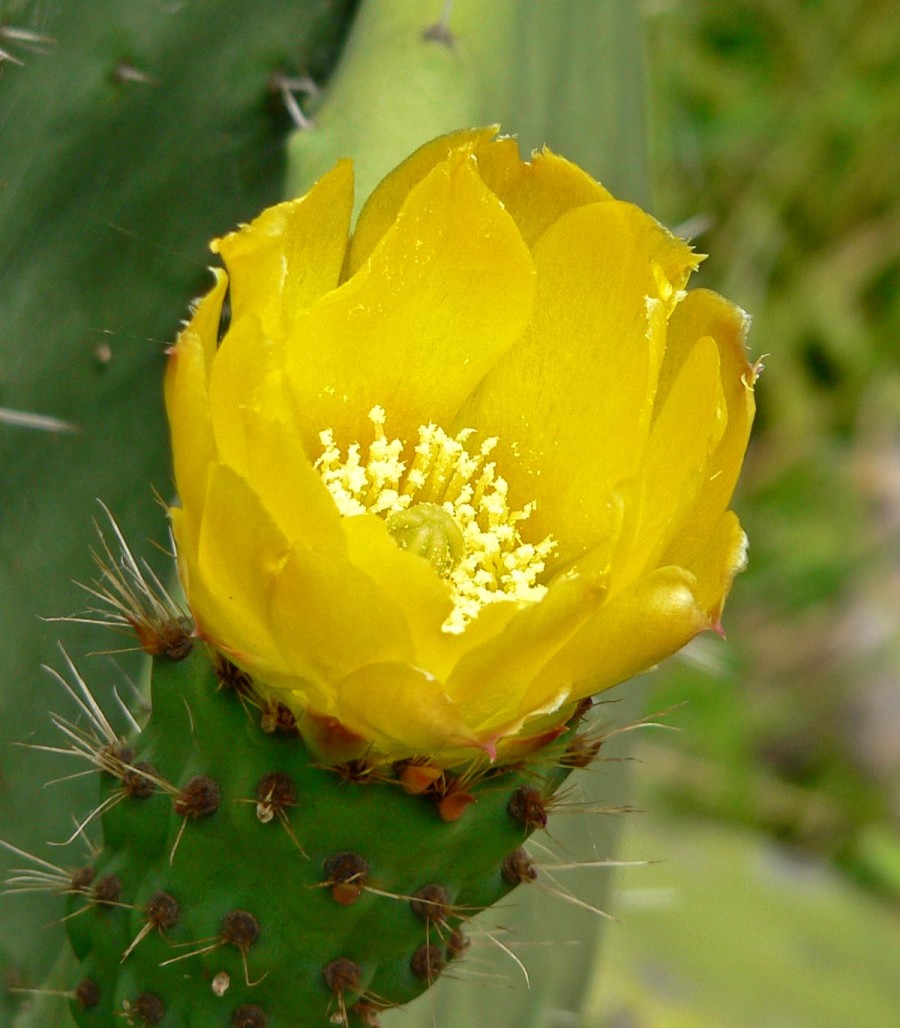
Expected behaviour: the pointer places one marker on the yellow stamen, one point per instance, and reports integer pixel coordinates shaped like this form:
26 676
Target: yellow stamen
448 505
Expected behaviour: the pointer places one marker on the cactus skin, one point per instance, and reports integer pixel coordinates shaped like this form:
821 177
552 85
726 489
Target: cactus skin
561 73
267 876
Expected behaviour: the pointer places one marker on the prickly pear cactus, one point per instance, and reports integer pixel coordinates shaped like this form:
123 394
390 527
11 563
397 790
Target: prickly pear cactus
380 686
241 882
237 874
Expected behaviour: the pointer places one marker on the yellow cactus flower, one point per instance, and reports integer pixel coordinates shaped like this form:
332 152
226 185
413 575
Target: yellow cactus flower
447 474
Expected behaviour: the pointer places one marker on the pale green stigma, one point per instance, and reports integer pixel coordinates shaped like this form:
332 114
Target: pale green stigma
429 531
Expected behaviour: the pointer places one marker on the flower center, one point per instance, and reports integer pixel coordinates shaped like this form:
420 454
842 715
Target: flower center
445 504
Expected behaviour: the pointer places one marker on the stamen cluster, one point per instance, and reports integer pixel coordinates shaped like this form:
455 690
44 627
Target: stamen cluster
497 563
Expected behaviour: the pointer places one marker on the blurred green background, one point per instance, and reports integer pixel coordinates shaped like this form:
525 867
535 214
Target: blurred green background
776 144
775 129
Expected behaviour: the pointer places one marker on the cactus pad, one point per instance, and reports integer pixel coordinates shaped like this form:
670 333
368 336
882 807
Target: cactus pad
241 884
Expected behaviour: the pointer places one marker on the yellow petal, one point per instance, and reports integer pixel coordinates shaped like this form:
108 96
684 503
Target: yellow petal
187 402
381 209
447 291
258 436
489 623
249 641
409 580
325 610
674 469
703 313
245 374
291 254
490 680
307 613
652 619
571 403
724 555
239 553
295 495
538 192
402 708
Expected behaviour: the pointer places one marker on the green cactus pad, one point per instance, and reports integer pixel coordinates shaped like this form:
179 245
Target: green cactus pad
241 884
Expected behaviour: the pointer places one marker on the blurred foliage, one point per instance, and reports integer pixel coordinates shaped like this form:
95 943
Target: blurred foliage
777 147
732 931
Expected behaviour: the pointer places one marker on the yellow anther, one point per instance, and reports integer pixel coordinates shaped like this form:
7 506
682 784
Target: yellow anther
446 504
